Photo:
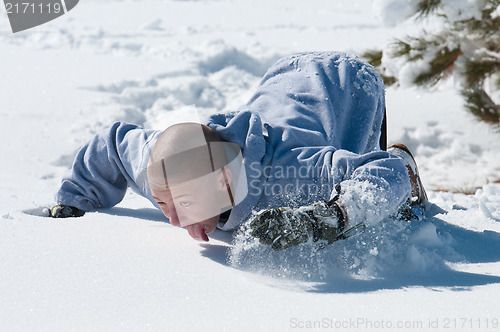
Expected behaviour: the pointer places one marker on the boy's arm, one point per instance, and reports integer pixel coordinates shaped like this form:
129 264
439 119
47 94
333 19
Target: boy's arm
373 185
369 188
103 169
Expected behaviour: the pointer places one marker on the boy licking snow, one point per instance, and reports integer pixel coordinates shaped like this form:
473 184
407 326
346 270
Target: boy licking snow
190 178
306 151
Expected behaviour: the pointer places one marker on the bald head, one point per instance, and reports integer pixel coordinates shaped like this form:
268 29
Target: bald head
180 138
184 152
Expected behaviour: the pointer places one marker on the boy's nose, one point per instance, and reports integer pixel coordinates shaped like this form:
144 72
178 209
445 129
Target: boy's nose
174 221
172 216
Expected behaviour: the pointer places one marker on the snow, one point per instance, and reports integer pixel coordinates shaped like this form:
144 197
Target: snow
392 12
126 268
463 9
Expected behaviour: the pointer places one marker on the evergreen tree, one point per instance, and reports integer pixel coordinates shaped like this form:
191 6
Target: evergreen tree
467 46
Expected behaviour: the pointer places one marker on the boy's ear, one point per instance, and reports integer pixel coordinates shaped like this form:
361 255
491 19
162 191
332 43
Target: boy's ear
224 179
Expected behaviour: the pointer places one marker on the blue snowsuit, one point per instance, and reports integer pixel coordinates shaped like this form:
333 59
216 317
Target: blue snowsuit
313 123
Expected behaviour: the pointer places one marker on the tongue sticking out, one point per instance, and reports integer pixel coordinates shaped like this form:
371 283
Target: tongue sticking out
197 232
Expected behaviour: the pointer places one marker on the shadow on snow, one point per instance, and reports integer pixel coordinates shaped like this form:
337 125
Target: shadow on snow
337 275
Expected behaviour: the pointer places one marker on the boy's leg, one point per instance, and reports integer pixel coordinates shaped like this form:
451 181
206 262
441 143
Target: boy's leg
333 93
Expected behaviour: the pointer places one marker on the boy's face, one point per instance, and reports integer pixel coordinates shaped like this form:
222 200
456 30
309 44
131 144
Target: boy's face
194 204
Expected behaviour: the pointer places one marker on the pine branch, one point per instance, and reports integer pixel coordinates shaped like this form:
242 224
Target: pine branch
374 57
443 60
427 7
487 27
441 67
479 103
476 40
412 48
477 69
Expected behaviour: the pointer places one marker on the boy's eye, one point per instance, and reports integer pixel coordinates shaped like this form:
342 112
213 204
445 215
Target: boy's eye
184 203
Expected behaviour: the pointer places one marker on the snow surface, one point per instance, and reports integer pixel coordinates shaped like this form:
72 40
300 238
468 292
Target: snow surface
126 268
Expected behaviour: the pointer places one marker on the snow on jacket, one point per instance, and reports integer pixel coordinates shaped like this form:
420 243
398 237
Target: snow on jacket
313 123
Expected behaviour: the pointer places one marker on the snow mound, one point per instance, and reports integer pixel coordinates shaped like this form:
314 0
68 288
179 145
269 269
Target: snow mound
222 79
391 247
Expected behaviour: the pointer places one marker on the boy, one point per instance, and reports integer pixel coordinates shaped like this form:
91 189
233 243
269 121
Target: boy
311 143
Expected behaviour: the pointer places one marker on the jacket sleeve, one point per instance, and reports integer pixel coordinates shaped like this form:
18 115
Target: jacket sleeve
373 185
113 160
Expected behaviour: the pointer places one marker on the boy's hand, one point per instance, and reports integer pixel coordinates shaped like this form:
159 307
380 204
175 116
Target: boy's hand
282 228
65 211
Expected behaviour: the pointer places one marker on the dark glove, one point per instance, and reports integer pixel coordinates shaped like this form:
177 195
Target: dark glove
284 227
65 211
281 228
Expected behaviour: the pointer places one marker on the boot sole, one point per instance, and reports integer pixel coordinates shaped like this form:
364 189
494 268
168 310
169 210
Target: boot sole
418 193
